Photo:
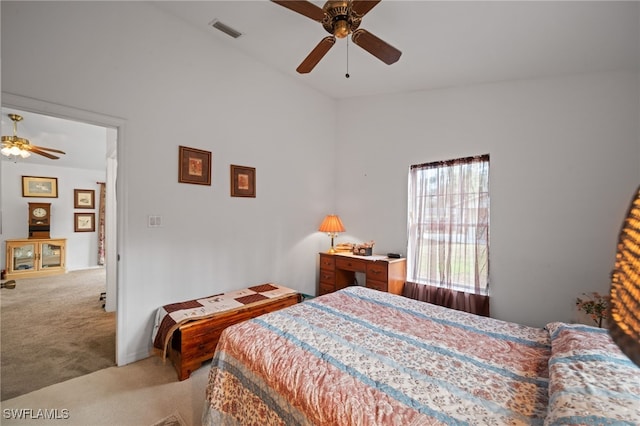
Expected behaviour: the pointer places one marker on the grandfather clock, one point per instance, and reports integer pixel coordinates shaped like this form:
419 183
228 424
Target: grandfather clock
39 220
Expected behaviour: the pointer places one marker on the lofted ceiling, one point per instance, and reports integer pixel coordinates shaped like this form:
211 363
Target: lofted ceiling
443 43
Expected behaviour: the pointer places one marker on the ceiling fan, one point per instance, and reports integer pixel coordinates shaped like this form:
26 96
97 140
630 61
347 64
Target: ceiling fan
341 18
17 146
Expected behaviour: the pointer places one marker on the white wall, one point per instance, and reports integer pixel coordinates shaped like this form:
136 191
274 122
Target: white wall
174 85
82 252
564 161
564 165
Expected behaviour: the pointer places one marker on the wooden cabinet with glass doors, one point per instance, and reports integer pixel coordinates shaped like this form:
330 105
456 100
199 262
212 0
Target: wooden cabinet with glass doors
30 258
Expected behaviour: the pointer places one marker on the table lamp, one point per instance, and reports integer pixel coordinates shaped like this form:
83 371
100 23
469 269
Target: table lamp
331 225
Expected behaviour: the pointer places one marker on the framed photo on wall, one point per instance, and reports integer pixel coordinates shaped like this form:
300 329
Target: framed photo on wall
84 222
84 198
194 166
40 187
243 181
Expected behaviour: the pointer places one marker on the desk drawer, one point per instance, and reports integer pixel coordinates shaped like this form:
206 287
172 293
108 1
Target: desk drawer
355 265
326 288
327 276
327 262
377 271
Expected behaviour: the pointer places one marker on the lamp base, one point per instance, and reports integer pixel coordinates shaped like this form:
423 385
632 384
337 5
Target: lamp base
332 250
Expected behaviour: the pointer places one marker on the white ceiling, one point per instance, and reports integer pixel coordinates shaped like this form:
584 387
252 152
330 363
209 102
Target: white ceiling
444 44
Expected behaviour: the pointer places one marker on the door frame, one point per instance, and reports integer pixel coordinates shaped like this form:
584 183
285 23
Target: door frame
114 235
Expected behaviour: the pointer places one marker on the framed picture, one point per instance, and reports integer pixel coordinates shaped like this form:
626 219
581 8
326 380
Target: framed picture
40 187
243 181
84 198
194 166
84 222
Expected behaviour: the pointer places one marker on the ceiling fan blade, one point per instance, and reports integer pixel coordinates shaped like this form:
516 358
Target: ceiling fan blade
42 148
45 154
362 7
302 7
377 47
316 54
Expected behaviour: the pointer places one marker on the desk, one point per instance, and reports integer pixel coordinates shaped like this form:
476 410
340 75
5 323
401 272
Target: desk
337 271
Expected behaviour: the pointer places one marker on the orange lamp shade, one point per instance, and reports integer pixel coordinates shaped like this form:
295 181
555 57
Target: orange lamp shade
331 224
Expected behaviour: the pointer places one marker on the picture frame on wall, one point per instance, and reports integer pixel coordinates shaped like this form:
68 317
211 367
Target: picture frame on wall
39 187
194 166
84 198
84 222
243 181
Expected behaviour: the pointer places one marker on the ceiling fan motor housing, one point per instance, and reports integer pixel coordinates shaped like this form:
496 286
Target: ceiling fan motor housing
339 19
15 141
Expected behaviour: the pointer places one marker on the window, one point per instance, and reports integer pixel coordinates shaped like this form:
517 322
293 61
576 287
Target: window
448 224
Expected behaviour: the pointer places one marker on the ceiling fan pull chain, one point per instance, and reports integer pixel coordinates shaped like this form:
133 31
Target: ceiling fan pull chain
347 74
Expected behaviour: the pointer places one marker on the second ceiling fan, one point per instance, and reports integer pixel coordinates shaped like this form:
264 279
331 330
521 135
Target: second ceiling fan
15 146
341 18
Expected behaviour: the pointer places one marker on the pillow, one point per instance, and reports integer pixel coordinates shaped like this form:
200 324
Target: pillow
590 380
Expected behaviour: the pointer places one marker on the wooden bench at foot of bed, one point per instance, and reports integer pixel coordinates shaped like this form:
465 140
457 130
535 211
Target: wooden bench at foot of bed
195 342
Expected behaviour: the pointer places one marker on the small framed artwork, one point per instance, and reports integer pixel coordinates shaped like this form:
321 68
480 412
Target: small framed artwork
84 198
84 222
40 187
194 166
243 181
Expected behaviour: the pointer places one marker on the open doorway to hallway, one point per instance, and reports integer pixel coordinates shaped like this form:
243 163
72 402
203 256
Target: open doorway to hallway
89 163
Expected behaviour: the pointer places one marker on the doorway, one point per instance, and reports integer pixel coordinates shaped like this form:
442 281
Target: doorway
113 138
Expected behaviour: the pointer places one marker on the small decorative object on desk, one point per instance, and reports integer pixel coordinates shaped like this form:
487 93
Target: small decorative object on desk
595 305
345 247
364 249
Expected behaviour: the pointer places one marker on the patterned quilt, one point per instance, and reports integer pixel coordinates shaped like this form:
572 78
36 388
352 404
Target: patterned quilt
170 317
364 357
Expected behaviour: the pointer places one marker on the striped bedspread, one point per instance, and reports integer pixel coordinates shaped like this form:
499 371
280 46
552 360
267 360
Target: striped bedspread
364 357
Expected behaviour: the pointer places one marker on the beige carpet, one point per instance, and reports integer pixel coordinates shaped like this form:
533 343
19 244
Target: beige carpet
53 329
138 394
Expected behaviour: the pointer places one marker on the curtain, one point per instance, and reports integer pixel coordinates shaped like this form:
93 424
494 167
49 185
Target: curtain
101 212
448 226
460 300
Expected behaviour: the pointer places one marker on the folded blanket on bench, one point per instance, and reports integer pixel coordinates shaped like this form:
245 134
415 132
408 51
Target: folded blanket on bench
170 317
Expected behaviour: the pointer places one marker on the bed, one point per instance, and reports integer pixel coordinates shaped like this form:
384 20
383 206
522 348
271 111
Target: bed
364 357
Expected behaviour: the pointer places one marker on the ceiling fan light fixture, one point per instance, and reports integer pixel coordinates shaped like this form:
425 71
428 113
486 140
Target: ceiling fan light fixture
341 29
14 151
12 146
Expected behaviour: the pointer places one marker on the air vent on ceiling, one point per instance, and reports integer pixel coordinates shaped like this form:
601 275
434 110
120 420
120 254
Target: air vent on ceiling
225 28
